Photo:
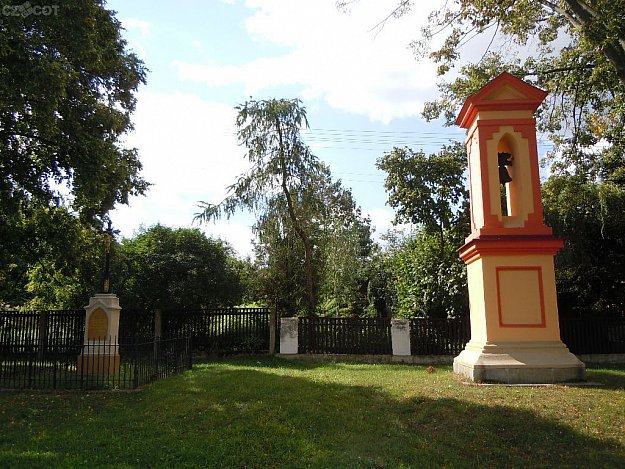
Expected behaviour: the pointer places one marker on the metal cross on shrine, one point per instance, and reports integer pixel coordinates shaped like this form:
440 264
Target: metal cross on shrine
109 234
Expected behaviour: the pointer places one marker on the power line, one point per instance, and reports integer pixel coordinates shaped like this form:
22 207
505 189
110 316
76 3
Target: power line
394 132
367 138
381 141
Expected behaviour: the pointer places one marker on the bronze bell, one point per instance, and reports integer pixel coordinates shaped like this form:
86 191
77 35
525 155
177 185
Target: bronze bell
503 160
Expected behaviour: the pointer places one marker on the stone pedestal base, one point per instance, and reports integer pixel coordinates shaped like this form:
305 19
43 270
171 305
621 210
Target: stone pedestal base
519 363
101 365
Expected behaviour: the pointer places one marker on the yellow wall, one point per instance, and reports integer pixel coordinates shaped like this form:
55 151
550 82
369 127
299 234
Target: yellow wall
493 115
476 189
477 302
485 304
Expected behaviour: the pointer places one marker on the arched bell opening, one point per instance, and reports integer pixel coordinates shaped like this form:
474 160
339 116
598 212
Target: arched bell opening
508 183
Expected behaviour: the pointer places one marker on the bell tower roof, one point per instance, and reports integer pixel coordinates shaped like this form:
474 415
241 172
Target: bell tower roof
504 93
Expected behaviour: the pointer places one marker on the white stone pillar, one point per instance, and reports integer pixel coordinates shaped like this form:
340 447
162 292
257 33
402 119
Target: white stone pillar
400 337
102 318
100 354
288 336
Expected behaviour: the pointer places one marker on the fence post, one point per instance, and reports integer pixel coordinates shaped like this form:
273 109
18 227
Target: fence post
157 337
135 353
158 323
289 336
189 353
43 334
272 329
400 337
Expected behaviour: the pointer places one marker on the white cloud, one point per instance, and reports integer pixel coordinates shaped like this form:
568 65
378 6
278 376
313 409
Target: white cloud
237 234
143 26
382 221
137 34
332 56
189 153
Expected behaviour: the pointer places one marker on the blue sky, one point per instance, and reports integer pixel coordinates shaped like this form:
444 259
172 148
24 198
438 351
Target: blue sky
363 90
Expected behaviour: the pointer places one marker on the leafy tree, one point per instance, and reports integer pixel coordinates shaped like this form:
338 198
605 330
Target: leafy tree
282 167
346 248
279 254
597 25
340 240
168 268
67 88
248 273
590 269
56 263
428 191
310 233
427 281
67 91
381 296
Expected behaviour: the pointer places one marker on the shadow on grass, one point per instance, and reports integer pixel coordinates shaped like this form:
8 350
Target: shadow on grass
230 416
607 376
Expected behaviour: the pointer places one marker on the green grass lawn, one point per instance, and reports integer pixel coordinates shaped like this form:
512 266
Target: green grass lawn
269 412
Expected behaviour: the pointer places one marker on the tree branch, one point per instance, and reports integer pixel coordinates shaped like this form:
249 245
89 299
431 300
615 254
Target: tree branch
381 24
555 8
559 69
614 54
490 43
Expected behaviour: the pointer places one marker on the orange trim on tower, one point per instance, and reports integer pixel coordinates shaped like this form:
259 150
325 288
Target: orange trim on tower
471 204
509 246
489 126
535 218
488 219
479 101
527 128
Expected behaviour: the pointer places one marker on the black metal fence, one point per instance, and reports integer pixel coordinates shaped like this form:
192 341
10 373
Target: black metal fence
593 335
443 336
590 335
224 330
52 331
123 364
56 337
345 335
137 323
438 336
229 330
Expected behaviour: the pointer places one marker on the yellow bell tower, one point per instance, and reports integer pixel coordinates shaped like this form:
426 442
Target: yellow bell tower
515 335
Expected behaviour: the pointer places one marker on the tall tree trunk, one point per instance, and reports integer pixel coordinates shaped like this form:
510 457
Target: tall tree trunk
582 15
310 289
